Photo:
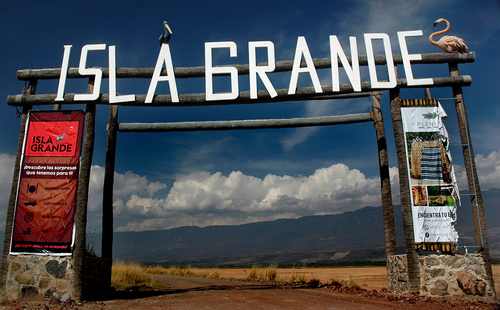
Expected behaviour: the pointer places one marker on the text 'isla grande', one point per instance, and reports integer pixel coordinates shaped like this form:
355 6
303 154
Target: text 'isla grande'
302 64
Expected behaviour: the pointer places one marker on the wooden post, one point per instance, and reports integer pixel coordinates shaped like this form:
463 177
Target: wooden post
412 258
29 89
79 252
477 203
385 179
107 196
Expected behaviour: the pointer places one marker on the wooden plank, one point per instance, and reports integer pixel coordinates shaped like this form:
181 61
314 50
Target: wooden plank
29 89
243 69
246 124
404 186
306 93
385 178
477 202
79 251
107 197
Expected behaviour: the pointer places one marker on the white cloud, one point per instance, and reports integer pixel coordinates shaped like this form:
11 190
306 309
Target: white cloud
213 198
204 198
6 169
488 169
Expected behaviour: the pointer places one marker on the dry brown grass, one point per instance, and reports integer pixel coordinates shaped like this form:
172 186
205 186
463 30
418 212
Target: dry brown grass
173 271
131 275
373 277
267 274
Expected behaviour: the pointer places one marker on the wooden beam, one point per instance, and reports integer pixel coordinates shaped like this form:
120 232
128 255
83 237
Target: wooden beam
107 195
306 93
404 185
246 124
29 89
477 202
385 178
243 69
80 251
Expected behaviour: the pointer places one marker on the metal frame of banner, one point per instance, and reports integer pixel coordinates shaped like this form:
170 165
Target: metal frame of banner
28 99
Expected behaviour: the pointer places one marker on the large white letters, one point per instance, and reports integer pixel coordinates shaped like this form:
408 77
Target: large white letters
210 71
407 58
336 53
64 73
164 57
96 72
302 63
113 97
303 51
372 68
261 71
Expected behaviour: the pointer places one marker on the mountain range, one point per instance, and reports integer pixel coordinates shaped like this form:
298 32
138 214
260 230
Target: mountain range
355 236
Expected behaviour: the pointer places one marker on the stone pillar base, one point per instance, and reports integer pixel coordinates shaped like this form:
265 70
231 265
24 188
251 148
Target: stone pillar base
444 275
37 277
34 276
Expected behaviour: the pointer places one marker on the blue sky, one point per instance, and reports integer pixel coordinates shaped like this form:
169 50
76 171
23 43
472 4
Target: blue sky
204 178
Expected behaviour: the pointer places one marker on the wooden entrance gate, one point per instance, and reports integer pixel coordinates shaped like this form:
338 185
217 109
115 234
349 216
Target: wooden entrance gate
29 98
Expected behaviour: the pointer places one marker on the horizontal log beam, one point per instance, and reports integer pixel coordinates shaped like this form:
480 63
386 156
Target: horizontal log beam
246 124
306 93
199 71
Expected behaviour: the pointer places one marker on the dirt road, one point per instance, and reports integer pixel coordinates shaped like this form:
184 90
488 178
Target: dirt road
181 293
269 299
198 294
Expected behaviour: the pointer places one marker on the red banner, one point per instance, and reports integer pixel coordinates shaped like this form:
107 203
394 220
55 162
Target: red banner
48 183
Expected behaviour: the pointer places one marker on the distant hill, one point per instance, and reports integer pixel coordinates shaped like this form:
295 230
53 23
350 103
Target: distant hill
345 238
307 239
326 239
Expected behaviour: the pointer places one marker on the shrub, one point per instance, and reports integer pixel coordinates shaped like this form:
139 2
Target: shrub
130 275
263 274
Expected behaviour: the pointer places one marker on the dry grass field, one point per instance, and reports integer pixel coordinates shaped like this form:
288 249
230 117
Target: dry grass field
367 277
370 277
496 277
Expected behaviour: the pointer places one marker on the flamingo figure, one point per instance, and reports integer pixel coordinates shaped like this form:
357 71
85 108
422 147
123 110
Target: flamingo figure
449 44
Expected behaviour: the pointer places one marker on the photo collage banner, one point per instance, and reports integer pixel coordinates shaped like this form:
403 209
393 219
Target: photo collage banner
433 186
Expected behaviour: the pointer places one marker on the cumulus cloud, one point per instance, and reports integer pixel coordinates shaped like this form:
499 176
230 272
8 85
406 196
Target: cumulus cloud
6 169
488 169
204 198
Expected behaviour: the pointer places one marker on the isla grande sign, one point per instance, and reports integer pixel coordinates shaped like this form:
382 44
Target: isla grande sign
302 54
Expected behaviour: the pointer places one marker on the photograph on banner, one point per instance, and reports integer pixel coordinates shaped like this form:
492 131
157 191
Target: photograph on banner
48 183
434 190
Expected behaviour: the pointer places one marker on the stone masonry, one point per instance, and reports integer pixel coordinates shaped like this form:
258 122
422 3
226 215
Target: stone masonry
444 275
31 276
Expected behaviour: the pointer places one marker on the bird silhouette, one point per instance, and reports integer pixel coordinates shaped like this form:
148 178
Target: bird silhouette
167 33
449 44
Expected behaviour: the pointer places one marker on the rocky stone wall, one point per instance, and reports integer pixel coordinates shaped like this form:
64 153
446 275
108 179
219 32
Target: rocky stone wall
31 276
445 275
398 273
